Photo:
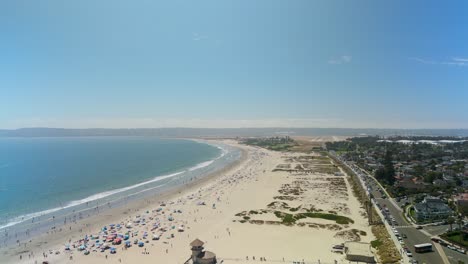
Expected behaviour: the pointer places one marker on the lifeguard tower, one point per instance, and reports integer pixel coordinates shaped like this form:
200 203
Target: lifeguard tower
199 256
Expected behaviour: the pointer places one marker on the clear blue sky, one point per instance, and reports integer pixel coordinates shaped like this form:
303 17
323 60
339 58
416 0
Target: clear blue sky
234 63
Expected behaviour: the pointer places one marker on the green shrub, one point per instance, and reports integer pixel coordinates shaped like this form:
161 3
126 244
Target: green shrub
376 243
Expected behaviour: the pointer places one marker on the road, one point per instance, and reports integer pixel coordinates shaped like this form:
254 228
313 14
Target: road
414 236
453 256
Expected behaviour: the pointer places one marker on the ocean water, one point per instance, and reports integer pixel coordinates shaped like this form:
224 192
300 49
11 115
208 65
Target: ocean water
40 177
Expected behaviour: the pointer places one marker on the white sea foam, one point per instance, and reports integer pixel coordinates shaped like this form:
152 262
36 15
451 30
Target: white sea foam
91 198
101 195
208 163
201 165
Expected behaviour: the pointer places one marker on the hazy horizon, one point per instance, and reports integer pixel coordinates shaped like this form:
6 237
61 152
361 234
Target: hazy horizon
147 123
180 132
233 127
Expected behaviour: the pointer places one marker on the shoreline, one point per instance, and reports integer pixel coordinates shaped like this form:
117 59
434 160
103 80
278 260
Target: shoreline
240 213
76 228
100 196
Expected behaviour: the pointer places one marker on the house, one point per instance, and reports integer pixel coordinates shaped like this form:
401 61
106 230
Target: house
440 183
409 183
462 201
465 183
431 209
448 178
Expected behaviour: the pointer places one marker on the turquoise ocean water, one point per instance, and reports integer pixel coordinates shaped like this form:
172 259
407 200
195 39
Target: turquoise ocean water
44 176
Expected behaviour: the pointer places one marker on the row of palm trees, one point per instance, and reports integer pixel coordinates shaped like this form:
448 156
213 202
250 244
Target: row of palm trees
452 220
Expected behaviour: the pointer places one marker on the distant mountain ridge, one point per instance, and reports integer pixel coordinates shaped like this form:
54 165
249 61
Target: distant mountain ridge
227 132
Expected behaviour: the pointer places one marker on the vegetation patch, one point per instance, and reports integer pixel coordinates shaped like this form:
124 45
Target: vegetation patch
258 222
457 237
289 189
376 243
285 198
272 143
278 205
342 220
289 219
386 250
349 235
243 213
295 209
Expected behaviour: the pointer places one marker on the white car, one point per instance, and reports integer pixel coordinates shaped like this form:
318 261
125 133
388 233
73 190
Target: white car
409 254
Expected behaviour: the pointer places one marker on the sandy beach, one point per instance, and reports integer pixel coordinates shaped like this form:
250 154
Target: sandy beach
269 207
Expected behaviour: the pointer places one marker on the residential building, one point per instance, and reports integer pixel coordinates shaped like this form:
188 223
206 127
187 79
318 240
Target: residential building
431 209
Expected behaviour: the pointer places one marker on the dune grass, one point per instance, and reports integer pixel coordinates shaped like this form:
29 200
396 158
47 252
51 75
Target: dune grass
289 219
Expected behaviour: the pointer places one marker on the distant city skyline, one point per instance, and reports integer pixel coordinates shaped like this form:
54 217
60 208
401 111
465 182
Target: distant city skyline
229 64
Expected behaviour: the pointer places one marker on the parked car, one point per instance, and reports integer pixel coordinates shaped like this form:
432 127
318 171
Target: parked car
451 247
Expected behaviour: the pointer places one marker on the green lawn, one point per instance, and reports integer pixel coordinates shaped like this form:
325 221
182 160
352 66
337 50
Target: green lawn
413 214
457 237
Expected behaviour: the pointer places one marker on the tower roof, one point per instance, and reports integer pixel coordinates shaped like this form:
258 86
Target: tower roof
197 243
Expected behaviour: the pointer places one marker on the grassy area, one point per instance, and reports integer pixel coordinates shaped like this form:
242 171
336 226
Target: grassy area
404 214
274 143
327 169
457 237
412 214
386 249
376 243
289 219
280 147
306 146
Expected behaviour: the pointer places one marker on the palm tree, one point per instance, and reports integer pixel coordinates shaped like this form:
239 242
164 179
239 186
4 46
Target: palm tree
459 222
450 221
